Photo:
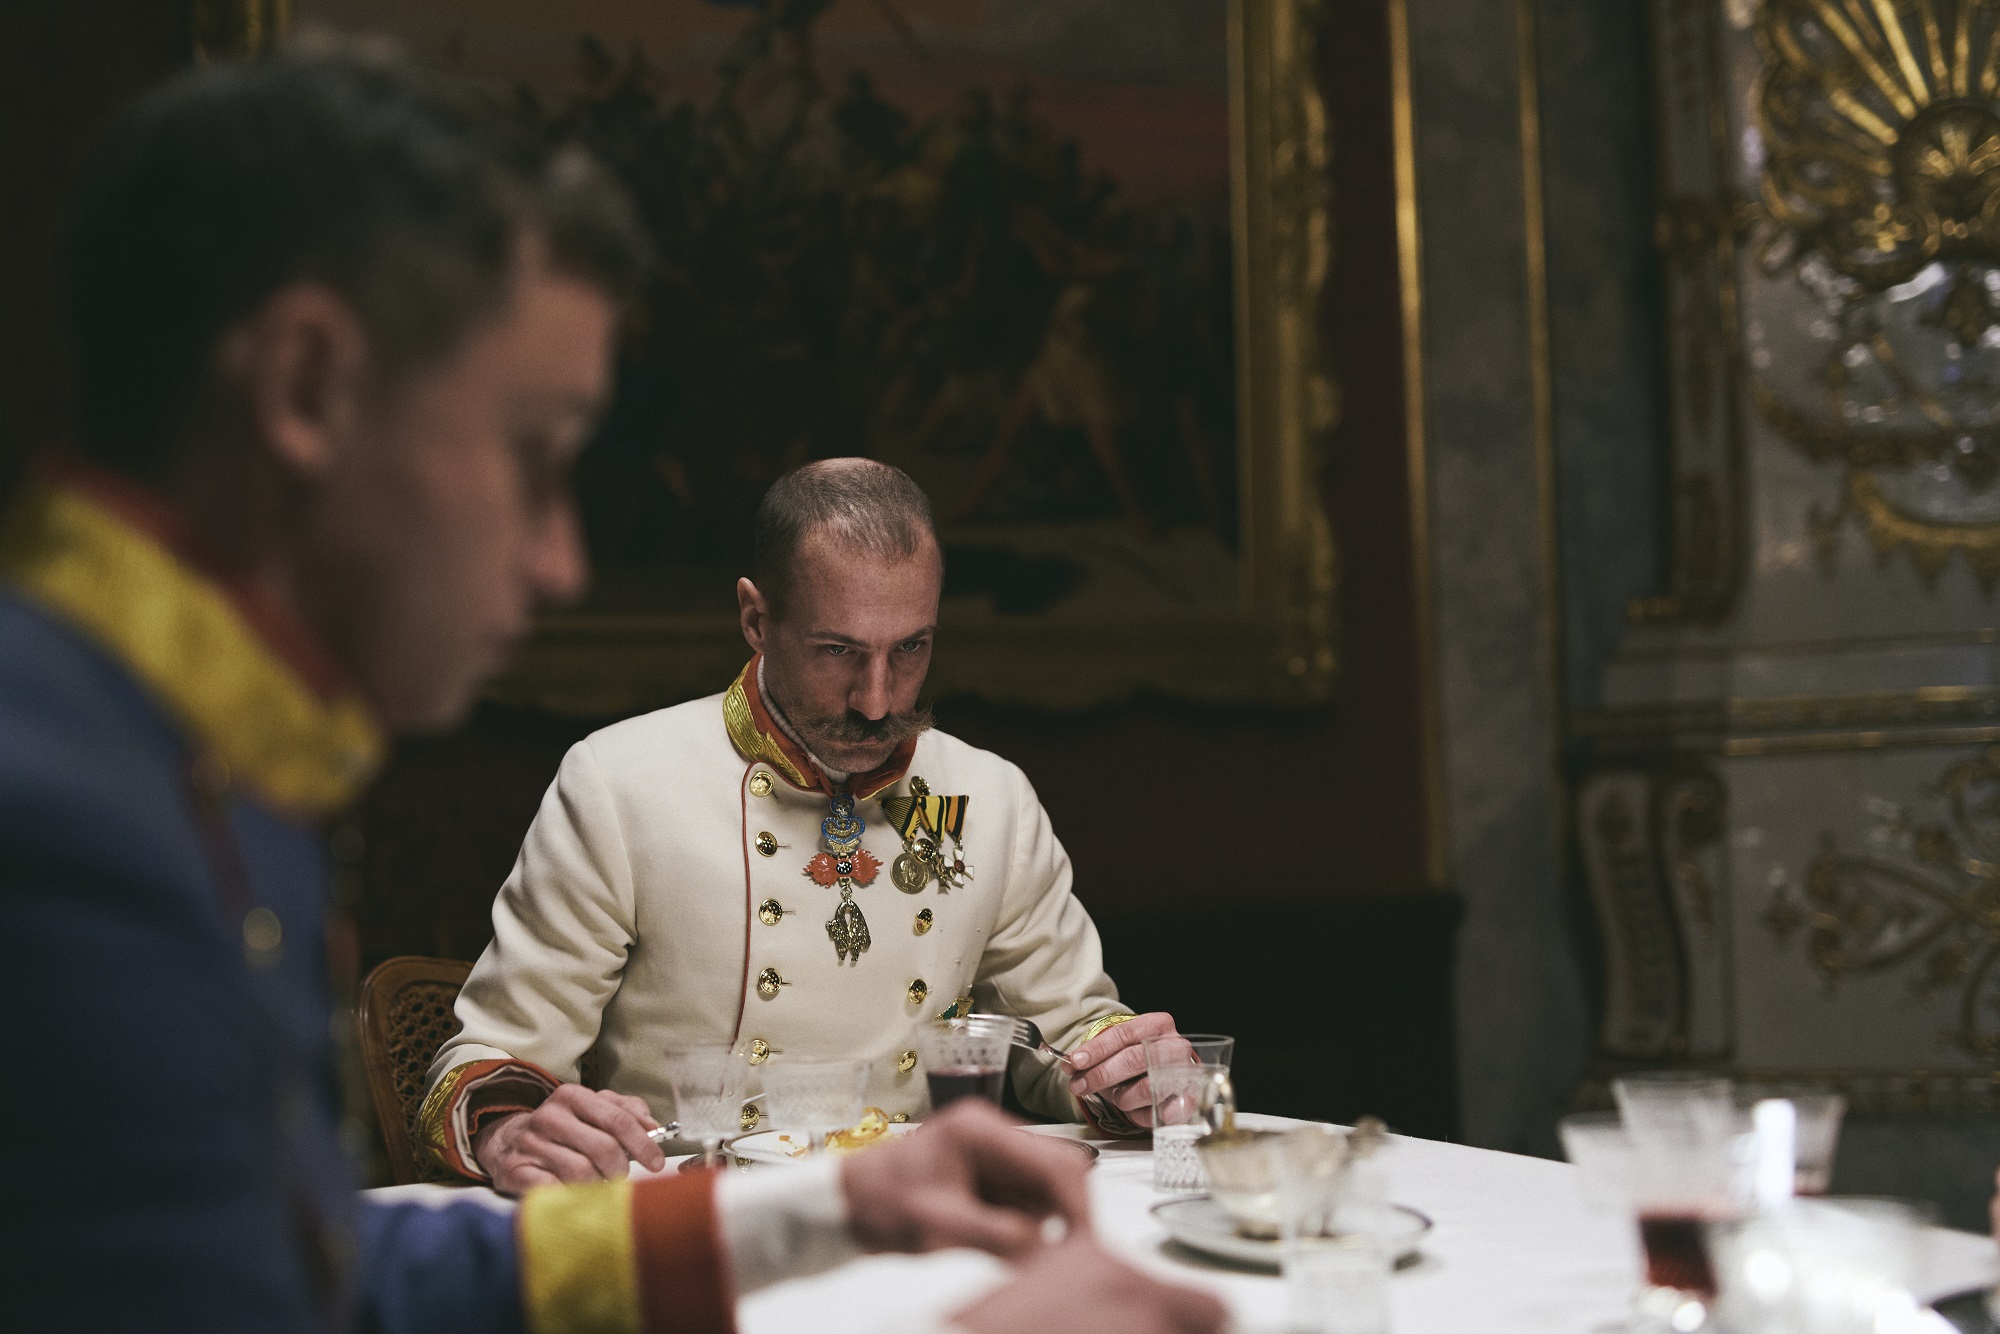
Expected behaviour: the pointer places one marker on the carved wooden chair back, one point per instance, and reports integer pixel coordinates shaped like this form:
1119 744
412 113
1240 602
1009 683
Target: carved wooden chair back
405 1015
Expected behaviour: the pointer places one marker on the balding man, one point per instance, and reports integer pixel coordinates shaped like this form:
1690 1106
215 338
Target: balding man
800 865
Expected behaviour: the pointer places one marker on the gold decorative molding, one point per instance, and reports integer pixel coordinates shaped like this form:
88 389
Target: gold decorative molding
1878 122
1650 838
1926 706
1541 382
1696 234
1931 543
1868 1092
236 29
1930 906
1287 401
1410 268
1879 193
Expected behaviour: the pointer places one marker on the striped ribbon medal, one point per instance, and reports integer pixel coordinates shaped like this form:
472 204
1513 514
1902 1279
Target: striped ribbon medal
925 822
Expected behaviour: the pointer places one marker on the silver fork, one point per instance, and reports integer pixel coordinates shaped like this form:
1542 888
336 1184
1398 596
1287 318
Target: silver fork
664 1134
1027 1033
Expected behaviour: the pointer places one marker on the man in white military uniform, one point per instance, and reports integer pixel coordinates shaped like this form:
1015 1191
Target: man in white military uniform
798 866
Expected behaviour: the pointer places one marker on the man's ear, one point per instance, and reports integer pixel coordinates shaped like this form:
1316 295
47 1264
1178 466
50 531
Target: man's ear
302 362
752 613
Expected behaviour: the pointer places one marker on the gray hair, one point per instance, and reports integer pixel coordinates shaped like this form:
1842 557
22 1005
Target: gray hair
858 505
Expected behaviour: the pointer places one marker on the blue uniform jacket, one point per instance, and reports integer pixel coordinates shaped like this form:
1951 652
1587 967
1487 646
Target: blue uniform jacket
169 1156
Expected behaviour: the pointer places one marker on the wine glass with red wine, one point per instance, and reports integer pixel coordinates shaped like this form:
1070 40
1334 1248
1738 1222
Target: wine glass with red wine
1689 1170
966 1057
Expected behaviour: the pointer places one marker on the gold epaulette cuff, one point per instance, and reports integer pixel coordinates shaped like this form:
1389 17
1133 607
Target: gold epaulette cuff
624 1257
445 1131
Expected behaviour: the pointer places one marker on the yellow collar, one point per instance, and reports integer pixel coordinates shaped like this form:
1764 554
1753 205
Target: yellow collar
181 636
757 736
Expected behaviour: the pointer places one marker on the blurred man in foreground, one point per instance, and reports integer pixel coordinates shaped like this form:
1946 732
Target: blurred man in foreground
337 344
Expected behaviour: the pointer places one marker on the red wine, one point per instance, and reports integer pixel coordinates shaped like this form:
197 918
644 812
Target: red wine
948 1086
1677 1252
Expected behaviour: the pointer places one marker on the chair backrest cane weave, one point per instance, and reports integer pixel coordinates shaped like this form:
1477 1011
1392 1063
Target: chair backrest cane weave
405 1015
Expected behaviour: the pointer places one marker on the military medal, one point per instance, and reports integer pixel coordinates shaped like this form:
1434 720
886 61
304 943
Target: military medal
925 822
844 863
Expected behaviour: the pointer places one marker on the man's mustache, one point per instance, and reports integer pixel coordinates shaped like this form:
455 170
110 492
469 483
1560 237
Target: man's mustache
855 729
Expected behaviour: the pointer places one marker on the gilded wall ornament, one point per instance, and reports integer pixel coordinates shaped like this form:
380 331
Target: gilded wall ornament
234 29
1926 902
1878 148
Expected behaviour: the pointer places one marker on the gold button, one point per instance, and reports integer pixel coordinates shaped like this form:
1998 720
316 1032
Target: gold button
900 1119
923 921
760 1051
770 912
263 937
768 983
906 1062
918 990
748 1117
766 844
760 783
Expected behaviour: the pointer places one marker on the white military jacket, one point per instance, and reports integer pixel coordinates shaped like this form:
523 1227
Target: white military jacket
662 899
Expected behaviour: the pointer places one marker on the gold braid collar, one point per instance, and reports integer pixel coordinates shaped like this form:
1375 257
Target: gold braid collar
179 634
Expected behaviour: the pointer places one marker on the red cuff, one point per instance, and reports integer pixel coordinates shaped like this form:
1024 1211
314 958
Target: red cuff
677 1249
470 1094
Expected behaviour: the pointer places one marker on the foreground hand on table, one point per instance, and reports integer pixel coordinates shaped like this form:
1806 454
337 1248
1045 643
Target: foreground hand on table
1114 1063
969 1177
1077 1285
578 1134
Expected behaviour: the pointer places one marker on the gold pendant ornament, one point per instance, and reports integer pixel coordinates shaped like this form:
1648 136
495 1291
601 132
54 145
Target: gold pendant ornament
844 863
925 821
848 929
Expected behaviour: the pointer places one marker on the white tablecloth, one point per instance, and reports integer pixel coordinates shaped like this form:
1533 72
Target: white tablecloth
1514 1252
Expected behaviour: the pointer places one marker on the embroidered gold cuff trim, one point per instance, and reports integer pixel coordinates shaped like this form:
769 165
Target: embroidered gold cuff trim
448 1119
434 1121
578 1272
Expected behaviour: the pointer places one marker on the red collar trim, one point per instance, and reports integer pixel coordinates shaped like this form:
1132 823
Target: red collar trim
289 638
863 786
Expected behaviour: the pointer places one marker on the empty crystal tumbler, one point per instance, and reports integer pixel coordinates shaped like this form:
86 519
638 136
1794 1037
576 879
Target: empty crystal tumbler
814 1098
1192 1095
1337 1285
708 1094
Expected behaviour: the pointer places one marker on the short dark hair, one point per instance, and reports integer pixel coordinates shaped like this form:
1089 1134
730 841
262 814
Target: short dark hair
857 504
331 165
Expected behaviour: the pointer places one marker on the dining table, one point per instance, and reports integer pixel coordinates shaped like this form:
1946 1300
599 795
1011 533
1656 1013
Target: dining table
1513 1247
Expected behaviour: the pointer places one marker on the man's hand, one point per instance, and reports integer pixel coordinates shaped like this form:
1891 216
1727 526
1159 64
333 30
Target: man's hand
1076 1285
578 1134
1115 1061
969 1177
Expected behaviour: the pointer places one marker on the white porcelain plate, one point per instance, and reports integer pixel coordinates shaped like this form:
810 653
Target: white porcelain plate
781 1146
778 1146
1201 1224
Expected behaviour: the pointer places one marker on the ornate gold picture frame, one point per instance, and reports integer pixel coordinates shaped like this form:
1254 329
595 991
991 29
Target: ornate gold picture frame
1236 609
